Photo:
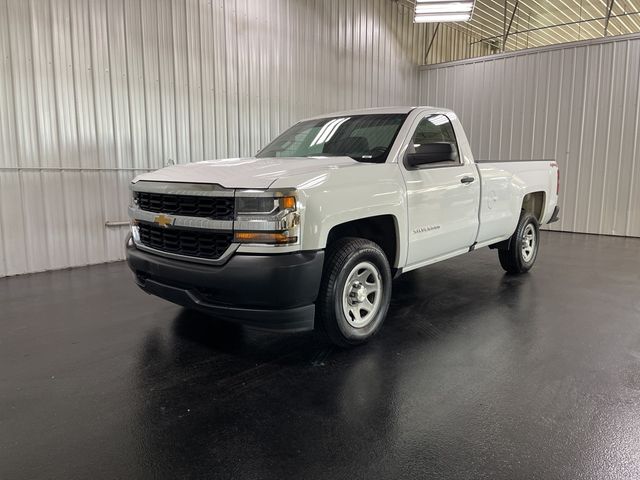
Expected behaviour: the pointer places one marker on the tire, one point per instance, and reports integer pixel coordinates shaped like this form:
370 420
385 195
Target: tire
354 293
520 257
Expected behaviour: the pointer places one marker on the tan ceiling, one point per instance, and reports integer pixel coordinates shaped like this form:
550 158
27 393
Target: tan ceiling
536 20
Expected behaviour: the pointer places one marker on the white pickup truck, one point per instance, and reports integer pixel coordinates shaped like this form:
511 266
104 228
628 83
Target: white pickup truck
311 231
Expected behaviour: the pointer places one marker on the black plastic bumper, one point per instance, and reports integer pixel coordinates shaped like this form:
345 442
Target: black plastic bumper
555 215
270 292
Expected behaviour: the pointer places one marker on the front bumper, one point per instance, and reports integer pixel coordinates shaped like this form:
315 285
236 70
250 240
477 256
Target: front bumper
270 292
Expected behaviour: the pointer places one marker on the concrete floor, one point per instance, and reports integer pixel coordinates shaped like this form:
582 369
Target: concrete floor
474 375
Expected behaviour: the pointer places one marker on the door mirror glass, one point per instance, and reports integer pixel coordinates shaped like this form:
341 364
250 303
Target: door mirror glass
432 153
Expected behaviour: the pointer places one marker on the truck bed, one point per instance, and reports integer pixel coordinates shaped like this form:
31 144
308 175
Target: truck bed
502 182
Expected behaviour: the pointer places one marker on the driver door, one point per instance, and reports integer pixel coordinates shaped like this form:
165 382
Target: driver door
443 196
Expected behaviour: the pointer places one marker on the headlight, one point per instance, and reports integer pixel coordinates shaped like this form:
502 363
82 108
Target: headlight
256 205
266 218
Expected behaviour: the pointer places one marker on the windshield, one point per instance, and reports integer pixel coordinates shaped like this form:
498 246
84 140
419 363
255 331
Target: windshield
366 138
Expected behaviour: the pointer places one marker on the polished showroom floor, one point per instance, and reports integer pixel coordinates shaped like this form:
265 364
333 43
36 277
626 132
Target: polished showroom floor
474 375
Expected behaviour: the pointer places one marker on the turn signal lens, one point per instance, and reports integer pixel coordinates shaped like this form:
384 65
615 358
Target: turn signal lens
265 237
288 202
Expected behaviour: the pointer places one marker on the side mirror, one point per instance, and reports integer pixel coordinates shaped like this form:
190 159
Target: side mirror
432 153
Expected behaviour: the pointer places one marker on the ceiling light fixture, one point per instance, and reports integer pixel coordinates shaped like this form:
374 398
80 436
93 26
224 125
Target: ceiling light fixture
429 11
444 8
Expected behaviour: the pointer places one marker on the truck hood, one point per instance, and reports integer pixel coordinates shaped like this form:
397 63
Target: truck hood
248 172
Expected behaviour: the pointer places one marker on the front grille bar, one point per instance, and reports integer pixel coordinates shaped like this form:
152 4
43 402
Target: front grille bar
181 221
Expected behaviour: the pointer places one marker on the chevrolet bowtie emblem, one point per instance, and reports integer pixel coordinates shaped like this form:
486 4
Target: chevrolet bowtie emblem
163 220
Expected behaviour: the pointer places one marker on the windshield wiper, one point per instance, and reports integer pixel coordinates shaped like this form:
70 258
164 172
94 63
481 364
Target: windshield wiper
319 155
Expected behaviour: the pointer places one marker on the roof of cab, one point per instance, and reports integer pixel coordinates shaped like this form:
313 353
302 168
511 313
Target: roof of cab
378 110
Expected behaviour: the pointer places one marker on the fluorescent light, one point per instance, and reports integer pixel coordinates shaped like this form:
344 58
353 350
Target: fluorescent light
453 17
443 11
457 7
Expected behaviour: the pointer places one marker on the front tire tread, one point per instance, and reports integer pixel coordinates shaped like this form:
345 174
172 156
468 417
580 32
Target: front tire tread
339 254
511 258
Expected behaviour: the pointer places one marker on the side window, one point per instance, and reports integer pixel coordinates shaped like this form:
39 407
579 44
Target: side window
435 129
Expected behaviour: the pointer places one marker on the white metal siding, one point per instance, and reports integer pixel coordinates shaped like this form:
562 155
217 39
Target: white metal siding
579 105
94 91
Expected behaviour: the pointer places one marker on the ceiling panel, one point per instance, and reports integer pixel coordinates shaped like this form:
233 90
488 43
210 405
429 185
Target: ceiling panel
538 23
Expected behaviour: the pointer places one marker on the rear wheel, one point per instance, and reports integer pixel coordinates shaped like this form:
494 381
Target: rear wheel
522 251
355 291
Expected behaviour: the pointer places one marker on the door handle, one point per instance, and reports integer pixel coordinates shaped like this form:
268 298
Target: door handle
467 179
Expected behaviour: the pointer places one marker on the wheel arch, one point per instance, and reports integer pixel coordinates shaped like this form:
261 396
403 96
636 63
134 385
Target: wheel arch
534 203
380 229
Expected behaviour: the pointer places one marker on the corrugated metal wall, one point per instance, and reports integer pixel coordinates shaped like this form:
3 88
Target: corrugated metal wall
94 91
578 104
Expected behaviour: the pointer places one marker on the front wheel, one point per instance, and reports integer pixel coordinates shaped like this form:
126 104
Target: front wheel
522 252
355 291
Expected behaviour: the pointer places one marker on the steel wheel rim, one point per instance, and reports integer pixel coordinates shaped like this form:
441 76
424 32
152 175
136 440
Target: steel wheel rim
528 243
362 294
